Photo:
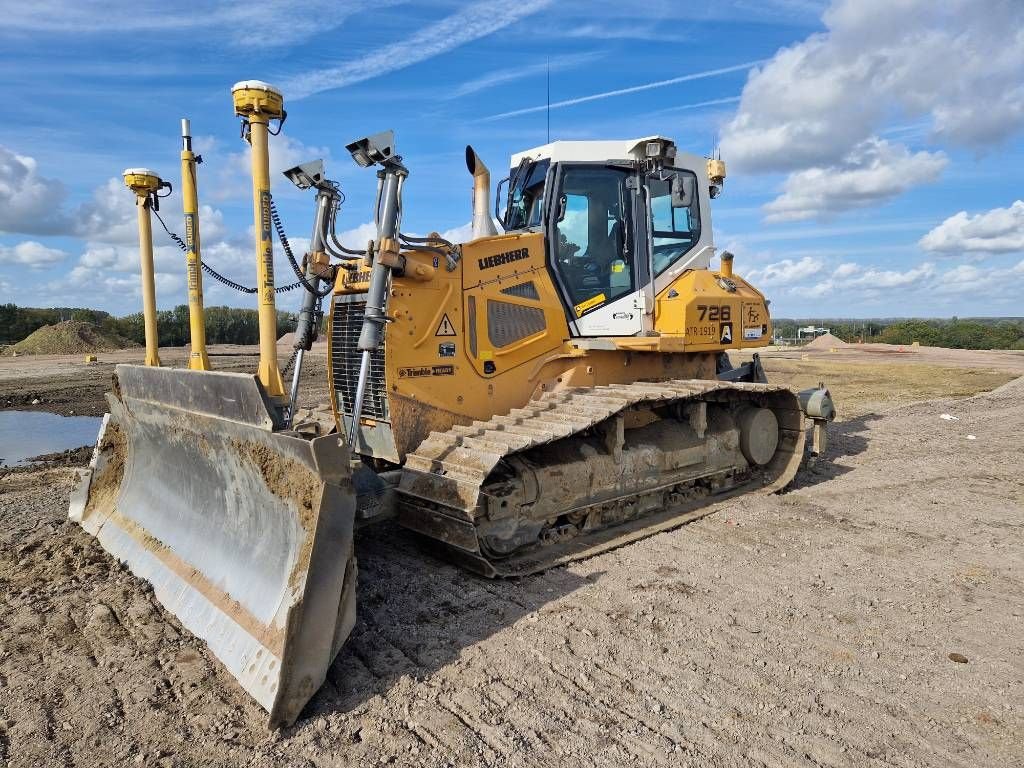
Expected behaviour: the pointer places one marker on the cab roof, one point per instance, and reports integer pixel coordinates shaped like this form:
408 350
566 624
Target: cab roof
597 151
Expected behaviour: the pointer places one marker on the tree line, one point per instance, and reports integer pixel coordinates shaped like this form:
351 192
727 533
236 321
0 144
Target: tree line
230 325
954 333
224 325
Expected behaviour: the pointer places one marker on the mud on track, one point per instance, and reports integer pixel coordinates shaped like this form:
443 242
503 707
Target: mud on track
811 628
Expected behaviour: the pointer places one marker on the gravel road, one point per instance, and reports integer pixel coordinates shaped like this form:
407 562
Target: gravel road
813 628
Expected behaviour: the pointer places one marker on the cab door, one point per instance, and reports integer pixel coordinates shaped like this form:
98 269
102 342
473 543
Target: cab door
593 251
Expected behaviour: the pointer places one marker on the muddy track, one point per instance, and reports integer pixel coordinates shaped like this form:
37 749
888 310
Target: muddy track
808 629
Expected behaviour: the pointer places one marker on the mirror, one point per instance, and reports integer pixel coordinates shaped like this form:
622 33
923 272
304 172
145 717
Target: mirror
683 188
497 200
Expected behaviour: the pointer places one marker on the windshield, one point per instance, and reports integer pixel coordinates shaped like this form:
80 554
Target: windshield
526 196
675 223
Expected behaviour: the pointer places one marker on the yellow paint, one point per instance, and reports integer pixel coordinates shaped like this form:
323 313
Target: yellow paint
727 264
259 107
145 187
593 301
198 360
429 392
693 319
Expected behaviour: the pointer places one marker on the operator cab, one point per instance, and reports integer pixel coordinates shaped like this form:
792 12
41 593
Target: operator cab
621 220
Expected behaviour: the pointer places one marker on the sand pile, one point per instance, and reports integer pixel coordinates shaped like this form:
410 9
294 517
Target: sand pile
827 341
71 337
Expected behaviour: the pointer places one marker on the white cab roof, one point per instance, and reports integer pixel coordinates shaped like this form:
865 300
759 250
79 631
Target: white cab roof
597 151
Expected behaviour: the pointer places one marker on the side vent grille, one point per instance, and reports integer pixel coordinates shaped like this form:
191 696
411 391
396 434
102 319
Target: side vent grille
345 358
508 323
471 319
523 291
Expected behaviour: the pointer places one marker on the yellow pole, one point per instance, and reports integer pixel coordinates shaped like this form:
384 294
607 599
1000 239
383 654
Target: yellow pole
197 359
145 183
260 103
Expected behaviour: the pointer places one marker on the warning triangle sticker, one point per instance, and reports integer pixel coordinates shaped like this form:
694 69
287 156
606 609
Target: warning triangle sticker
445 328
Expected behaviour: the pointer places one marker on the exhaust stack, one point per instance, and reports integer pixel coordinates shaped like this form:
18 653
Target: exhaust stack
483 225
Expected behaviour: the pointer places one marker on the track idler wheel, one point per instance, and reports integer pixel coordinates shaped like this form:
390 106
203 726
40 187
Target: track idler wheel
759 434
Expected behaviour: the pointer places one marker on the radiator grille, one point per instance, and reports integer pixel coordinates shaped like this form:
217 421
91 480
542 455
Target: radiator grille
507 323
345 358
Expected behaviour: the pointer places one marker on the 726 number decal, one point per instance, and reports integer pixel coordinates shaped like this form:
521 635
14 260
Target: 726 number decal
713 313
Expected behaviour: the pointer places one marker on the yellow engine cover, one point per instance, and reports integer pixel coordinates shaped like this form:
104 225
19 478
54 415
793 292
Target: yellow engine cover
707 311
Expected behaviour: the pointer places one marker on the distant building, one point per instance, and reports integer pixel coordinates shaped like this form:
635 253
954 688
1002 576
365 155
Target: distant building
812 331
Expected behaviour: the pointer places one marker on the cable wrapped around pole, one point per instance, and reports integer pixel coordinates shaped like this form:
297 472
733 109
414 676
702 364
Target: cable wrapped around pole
279 227
214 273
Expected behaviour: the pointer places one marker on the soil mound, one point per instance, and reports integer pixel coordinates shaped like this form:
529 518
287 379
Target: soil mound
71 337
827 341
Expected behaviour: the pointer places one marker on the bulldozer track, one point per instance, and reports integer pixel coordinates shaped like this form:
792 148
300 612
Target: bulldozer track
444 478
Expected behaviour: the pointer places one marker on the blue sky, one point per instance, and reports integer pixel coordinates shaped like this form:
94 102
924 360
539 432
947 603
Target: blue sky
874 147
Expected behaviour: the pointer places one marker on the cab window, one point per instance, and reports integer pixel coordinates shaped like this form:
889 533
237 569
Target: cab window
526 196
676 229
591 216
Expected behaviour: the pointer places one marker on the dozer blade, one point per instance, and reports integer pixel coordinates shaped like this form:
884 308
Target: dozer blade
244 533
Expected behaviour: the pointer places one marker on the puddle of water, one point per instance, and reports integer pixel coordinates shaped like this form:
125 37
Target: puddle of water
24 434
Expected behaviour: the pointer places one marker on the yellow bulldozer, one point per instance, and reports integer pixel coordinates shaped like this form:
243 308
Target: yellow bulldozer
553 387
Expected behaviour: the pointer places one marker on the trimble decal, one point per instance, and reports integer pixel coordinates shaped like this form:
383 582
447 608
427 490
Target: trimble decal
504 258
426 370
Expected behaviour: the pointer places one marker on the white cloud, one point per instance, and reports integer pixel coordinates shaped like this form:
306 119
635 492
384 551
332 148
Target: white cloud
879 279
29 203
460 234
785 272
1000 230
873 172
849 279
234 177
616 31
357 237
109 216
964 278
955 64
465 25
31 254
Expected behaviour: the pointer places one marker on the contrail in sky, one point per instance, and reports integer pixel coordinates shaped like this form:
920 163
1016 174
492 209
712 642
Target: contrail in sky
631 89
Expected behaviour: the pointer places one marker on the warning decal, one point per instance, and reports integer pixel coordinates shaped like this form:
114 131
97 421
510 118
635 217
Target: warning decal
445 328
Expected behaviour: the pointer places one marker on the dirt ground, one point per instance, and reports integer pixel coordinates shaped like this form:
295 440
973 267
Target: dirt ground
65 384
812 628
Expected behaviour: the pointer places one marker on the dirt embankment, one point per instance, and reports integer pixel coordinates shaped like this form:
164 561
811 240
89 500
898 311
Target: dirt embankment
826 341
811 629
72 337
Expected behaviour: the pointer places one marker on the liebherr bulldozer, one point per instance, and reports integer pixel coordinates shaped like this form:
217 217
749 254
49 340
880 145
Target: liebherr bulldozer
542 392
